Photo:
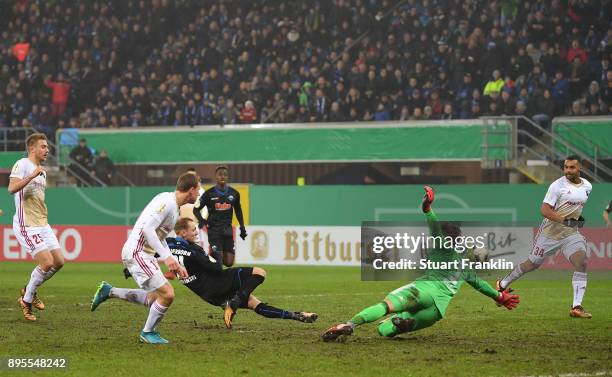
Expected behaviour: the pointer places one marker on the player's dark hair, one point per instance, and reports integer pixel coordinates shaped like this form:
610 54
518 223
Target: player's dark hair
220 167
187 181
182 224
32 139
573 157
450 229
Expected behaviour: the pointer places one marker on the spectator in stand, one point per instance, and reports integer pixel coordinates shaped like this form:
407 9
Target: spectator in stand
81 159
124 58
575 51
543 109
335 114
103 168
248 114
61 92
495 85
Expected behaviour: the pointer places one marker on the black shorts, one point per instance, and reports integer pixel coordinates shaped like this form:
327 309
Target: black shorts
221 243
224 286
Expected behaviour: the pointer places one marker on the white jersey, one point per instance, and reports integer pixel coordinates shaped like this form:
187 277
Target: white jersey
161 214
567 199
30 207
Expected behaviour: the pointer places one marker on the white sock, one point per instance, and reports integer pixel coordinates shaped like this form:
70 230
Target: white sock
156 314
512 276
50 273
579 282
36 279
137 296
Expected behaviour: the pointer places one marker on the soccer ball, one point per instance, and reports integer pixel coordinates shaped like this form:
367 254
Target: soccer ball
478 254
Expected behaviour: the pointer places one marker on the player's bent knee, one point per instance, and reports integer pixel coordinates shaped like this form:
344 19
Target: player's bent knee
259 271
228 259
166 294
46 265
58 264
44 260
389 303
579 261
253 302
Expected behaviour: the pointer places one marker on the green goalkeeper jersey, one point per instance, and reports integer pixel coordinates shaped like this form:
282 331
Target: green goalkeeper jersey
443 284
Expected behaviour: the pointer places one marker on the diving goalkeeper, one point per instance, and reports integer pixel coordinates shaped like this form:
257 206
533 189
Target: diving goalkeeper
423 302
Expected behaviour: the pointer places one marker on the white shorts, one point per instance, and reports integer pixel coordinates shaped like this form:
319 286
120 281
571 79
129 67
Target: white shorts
35 239
144 269
544 246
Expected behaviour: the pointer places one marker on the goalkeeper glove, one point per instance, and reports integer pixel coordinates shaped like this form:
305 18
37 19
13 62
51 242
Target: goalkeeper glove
428 198
243 233
574 223
509 300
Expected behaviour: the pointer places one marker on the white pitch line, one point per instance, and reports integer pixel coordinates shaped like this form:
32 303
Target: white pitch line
580 374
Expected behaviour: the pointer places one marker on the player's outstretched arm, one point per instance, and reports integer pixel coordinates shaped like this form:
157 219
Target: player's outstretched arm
510 301
160 248
432 219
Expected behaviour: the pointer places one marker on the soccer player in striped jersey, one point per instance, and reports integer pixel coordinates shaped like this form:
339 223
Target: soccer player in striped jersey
27 183
147 238
562 211
423 302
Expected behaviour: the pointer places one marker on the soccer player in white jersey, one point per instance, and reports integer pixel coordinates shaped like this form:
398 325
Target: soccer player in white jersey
27 183
562 209
147 238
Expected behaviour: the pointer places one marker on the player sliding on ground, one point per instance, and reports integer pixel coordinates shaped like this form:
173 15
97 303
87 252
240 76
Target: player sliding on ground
562 211
229 288
147 238
422 303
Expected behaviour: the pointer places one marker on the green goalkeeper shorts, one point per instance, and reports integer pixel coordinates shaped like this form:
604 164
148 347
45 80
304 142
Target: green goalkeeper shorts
412 297
413 301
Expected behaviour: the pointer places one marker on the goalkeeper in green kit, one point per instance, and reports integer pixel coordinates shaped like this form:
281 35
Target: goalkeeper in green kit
423 302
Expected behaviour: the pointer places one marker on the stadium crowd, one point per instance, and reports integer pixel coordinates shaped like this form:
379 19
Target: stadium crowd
161 62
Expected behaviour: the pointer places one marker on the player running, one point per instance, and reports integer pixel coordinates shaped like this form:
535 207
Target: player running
423 302
562 211
27 184
147 238
229 288
221 200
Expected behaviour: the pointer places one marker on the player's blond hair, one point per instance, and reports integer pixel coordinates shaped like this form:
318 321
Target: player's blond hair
187 181
32 139
182 224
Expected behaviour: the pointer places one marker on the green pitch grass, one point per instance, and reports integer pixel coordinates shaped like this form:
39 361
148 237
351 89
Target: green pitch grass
475 339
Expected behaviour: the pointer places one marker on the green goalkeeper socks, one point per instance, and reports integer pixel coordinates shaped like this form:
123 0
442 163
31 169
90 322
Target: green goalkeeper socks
369 314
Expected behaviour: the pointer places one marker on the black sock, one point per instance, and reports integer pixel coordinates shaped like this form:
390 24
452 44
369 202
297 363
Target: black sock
268 311
249 286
